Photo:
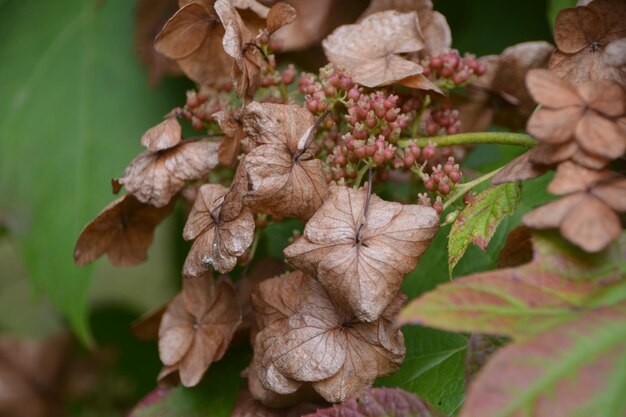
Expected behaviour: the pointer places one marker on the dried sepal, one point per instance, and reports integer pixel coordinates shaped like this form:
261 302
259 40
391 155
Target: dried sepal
218 241
154 177
165 135
281 14
197 328
361 257
247 406
193 37
354 353
587 215
314 20
123 230
285 179
582 35
230 146
520 169
370 49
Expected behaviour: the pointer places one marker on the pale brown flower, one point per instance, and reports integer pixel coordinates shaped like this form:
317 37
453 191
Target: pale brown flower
197 328
586 216
154 177
123 230
370 50
359 254
581 122
285 179
582 35
220 233
230 146
323 345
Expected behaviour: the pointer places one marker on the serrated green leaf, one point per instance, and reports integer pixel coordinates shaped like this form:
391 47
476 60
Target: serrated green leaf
74 103
478 221
575 369
433 368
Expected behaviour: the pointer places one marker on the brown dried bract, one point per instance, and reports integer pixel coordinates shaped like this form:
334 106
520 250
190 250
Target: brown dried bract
220 233
361 257
285 178
197 328
323 345
587 215
123 230
247 406
369 49
193 38
281 14
230 146
154 177
582 35
238 42
581 122
165 135
520 169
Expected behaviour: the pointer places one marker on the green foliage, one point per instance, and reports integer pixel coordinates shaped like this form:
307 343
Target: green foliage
74 103
554 7
477 223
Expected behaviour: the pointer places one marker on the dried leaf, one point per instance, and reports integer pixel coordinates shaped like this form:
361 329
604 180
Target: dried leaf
361 257
369 49
558 373
284 179
218 240
479 220
381 402
522 301
123 230
155 177
146 327
280 14
197 327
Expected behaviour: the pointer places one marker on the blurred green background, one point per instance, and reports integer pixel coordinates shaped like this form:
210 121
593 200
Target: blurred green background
74 101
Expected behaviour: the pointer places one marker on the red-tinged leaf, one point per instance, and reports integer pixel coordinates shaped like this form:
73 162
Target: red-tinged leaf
478 222
381 402
516 302
576 369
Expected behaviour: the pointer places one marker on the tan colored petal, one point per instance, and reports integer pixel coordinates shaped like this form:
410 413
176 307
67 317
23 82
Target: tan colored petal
548 154
551 215
592 225
588 160
550 90
230 146
604 96
613 193
176 332
554 126
205 210
575 28
519 169
570 178
369 49
199 294
165 135
280 14
155 177
314 20
123 230
184 32
276 298
600 136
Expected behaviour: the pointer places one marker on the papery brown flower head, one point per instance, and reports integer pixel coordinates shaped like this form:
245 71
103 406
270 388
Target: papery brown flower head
285 179
433 25
361 258
123 230
193 38
197 328
370 50
329 348
584 123
582 35
587 215
230 146
222 231
154 177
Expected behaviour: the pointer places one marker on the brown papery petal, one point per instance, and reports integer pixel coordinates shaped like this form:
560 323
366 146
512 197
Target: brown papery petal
519 169
165 135
554 126
369 49
184 32
592 225
575 28
176 332
550 90
230 146
547 154
123 230
551 215
588 160
613 193
570 178
600 136
276 298
280 14
604 96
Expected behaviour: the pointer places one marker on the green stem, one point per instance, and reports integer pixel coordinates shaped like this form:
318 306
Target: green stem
361 174
464 188
474 138
284 94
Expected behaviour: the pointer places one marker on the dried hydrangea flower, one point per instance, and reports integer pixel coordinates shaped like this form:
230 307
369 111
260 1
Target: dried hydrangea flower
360 253
586 215
197 327
123 230
329 348
582 35
581 122
284 176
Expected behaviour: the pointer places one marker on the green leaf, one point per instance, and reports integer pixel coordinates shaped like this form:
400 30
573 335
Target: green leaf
433 368
576 369
214 396
479 220
74 104
555 6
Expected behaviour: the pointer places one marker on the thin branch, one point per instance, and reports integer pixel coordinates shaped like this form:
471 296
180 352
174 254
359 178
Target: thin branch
474 138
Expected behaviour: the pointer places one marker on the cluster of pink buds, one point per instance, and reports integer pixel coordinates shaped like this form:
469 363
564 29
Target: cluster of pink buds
271 77
425 200
442 121
374 115
333 83
443 179
451 66
202 104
